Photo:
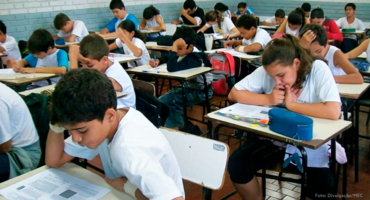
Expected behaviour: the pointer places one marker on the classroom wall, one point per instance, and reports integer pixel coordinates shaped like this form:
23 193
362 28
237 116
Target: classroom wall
24 16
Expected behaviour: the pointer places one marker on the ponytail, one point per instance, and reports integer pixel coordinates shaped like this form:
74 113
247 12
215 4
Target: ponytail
212 15
283 51
150 12
129 26
297 17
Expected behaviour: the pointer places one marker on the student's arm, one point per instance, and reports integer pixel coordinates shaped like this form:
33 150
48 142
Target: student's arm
6 147
334 31
230 43
70 38
191 19
104 31
352 76
267 23
52 70
116 85
73 54
176 21
161 26
142 24
203 29
359 50
55 37
247 97
107 35
255 47
113 46
6 130
135 50
282 26
235 33
54 152
110 27
8 46
17 66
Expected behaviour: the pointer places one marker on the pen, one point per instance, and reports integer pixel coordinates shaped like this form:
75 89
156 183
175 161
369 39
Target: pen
145 71
155 60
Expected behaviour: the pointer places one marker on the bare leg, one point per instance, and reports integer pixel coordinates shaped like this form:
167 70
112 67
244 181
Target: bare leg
249 191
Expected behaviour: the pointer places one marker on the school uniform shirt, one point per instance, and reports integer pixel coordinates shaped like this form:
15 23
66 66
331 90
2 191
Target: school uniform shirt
154 23
336 71
57 59
227 13
140 152
262 37
332 30
357 24
319 87
272 20
16 123
113 23
198 15
116 72
247 12
79 30
226 26
145 57
292 32
11 49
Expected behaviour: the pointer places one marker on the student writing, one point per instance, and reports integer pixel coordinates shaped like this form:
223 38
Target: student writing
69 30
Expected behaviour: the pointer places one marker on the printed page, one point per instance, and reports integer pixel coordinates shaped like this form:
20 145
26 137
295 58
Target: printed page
249 111
7 71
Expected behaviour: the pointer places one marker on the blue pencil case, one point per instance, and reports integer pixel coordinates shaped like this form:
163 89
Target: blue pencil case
290 124
60 41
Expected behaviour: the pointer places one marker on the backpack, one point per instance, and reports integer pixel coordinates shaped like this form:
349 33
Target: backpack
224 72
164 40
155 111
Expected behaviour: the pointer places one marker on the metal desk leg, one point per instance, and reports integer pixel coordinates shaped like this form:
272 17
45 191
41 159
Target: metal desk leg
206 88
345 165
333 165
304 174
156 87
357 129
184 101
207 194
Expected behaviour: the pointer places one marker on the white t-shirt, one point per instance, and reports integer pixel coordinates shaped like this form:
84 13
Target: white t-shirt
11 49
227 13
199 20
319 87
271 20
226 26
79 30
262 37
16 122
140 152
357 24
117 72
292 32
336 71
145 57
154 23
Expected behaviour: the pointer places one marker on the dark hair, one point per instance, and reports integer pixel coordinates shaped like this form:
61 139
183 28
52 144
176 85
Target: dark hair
280 13
60 20
189 4
81 95
297 17
318 30
283 51
40 41
221 7
317 13
247 22
350 5
212 15
2 27
116 4
186 33
242 5
129 26
150 11
306 7
94 46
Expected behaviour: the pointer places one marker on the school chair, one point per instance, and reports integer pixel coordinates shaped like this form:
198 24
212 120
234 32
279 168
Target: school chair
202 161
144 86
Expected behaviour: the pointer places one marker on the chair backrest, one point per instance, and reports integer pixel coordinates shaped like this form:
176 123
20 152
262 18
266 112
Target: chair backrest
201 160
158 54
144 86
170 29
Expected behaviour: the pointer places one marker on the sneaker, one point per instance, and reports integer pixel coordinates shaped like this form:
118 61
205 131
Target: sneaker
191 128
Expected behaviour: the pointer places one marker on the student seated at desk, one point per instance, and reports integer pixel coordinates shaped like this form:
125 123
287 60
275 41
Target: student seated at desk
243 9
254 39
184 55
220 24
350 21
224 9
289 75
152 20
43 57
306 7
363 47
136 157
8 46
120 14
132 43
93 53
313 37
191 14
277 20
69 30
293 24
20 150
331 28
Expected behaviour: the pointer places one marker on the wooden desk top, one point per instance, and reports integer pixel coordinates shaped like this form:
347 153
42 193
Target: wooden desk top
76 171
275 27
362 56
21 79
155 46
185 75
240 55
126 58
352 91
147 31
323 130
190 26
72 43
357 32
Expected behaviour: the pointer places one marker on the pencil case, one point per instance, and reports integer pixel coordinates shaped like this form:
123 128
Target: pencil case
60 41
290 124
347 30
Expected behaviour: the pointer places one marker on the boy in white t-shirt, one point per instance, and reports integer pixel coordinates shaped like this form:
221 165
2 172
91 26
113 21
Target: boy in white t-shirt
136 157
277 20
313 37
19 142
93 53
349 22
8 46
220 24
69 30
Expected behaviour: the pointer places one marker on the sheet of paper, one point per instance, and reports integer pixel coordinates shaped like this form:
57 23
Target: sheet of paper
53 184
250 111
163 69
7 71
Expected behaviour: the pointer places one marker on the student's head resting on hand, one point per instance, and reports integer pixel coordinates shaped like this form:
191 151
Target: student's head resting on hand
118 9
190 6
95 51
319 46
129 30
41 43
287 62
2 32
279 16
247 26
63 23
296 19
187 35
84 102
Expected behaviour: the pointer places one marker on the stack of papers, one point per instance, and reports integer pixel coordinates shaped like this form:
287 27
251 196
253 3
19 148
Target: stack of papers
247 111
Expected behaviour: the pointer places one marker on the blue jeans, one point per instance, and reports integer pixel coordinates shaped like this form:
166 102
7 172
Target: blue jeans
174 100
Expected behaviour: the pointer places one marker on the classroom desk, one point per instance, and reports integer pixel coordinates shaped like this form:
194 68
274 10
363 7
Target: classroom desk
357 32
181 77
240 55
155 46
269 28
51 87
147 31
76 171
126 58
21 79
77 43
186 25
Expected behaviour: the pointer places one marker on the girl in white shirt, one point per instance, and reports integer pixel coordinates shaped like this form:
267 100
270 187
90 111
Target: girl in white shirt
221 25
289 75
293 24
152 20
132 43
224 9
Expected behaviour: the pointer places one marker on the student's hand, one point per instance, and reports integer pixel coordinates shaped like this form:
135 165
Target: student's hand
291 95
307 39
121 35
174 22
13 64
199 31
228 44
153 63
27 70
184 11
277 95
240 49
116 183
224 36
